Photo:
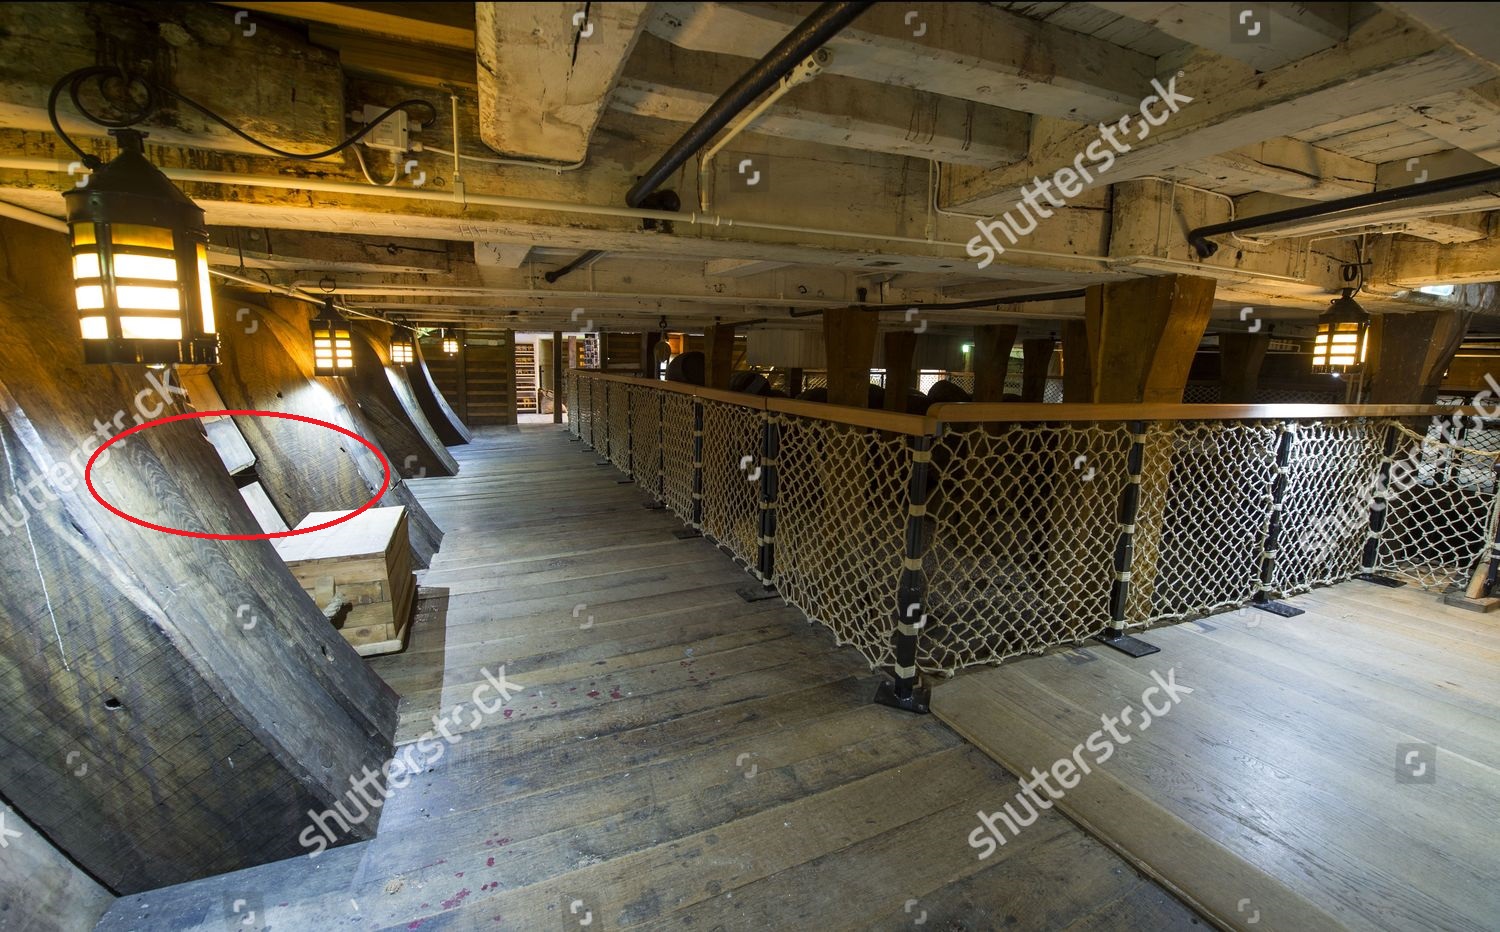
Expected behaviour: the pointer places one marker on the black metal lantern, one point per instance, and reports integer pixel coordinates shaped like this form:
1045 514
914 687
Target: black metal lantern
333 347
450 344
1341 341
402 353
140 265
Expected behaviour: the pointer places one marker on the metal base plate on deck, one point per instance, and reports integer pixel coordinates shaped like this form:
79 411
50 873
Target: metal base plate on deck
757 593
1278 608
603 463
1127 644
687 533
921 698
626 481
1380 580
654 506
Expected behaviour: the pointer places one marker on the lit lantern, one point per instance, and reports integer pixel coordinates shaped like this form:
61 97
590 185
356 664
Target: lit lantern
402 353
450 344
140 265
333 349
1341 341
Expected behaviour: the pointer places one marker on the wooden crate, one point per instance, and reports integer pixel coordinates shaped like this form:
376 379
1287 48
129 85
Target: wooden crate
365 560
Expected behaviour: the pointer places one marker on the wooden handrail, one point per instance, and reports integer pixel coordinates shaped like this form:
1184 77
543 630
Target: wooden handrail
950 413
971 412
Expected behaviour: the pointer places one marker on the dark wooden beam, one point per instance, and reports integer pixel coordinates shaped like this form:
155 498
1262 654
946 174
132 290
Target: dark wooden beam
1143 335
390 405
900 368
849 338
1240 358
1036 360
991 357
151 659
1078 372
719 361
1409 353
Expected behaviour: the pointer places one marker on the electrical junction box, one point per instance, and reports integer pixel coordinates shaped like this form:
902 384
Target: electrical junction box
393 133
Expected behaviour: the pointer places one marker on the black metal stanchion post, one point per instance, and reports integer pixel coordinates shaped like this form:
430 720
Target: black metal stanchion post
765 551
905 690
602 417
1271 541
1130 508
696 530
1379 509
629 470
659 502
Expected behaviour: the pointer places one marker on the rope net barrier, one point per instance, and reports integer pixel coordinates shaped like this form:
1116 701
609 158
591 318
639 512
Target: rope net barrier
1016 542
1443 514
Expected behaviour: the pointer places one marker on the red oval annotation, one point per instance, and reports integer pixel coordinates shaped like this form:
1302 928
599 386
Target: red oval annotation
88 480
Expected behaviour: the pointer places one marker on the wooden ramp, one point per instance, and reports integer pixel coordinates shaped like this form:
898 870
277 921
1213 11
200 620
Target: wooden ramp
1335 770
678 758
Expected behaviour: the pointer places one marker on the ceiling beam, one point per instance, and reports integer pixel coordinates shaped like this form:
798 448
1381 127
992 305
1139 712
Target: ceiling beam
301 251
677 84
489 254
739 268
546 71
1269 36
973 51
445 24
288 94
1385 59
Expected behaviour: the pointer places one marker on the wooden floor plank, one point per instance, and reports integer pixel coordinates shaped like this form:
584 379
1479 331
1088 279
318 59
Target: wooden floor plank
1275 783
686 759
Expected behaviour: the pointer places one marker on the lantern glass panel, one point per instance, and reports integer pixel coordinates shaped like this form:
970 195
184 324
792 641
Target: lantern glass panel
206 291
151 328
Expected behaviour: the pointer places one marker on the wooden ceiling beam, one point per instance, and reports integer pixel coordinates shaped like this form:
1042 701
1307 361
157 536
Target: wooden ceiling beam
1386 59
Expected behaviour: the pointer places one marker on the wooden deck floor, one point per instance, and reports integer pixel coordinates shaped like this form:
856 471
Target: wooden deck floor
678 759
1340 769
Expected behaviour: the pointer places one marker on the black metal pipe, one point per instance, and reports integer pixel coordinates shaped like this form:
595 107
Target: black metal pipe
958 305
578 263
824 23
1199 237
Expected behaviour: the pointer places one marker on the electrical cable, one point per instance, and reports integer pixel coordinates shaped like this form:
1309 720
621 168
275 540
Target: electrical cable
365 169
74 80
